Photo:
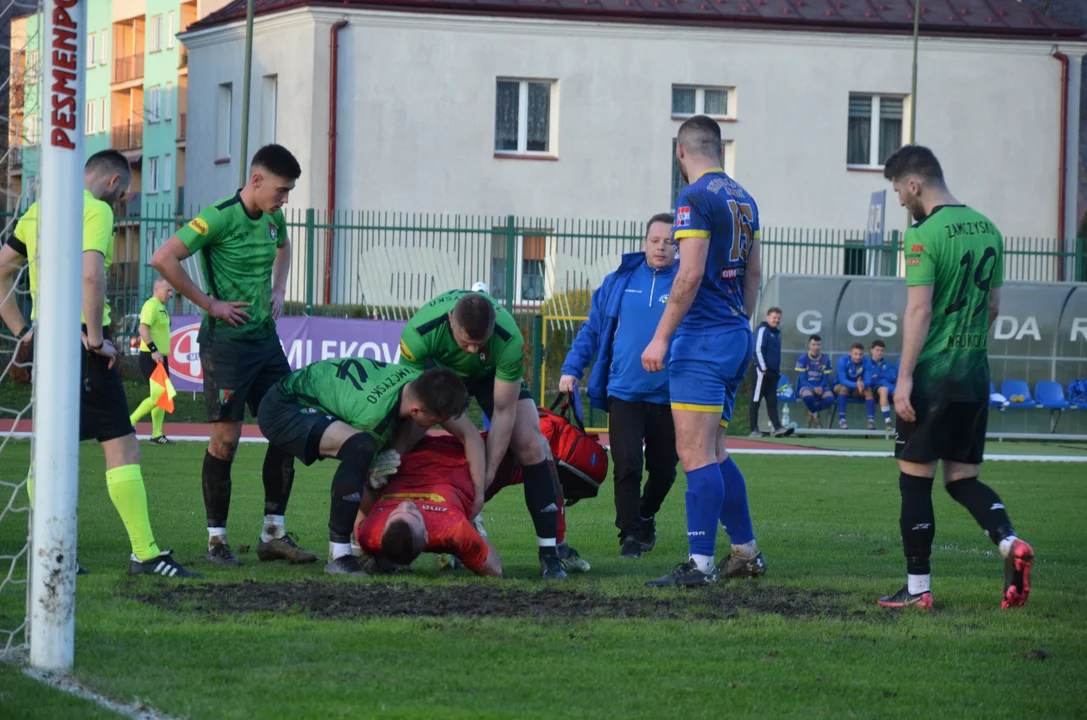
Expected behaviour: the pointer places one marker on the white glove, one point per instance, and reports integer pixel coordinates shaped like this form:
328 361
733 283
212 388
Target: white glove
477 522
383 466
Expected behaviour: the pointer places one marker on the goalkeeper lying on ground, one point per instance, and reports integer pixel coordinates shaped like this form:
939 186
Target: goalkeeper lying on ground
425 505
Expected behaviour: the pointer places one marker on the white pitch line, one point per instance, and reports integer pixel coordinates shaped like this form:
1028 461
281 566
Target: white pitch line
66 683
785 452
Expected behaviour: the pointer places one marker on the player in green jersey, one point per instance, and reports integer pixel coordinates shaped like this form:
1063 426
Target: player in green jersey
103 408
470 333
351 409
245 256
154 333
954 271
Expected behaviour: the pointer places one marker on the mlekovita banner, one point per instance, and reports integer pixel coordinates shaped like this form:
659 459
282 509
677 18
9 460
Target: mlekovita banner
305 340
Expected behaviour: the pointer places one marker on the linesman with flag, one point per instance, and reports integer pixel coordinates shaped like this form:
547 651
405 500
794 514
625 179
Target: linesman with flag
154 360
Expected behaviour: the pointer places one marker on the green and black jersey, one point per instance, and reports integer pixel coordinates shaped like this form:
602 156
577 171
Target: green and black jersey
960 253
237 251
427 336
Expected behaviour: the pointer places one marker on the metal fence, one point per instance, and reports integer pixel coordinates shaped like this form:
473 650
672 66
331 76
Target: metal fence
385 265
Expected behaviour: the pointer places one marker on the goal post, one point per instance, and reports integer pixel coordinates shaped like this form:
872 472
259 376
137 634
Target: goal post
57 358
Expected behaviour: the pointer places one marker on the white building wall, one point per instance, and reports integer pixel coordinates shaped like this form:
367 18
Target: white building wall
416 125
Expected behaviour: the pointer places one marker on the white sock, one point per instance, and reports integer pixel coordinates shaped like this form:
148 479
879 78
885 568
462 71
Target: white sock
746 551
336 550
1006 545
917 584
214 532
886 409
274 527
704 563
545 542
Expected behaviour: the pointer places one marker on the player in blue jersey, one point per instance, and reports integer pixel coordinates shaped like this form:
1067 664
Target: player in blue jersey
881 379
709 313
851 383
814 380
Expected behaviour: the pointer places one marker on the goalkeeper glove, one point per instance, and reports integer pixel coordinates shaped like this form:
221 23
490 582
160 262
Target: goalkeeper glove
383 466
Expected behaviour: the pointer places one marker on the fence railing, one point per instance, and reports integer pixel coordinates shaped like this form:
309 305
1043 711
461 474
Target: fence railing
127 67
386 265
127 136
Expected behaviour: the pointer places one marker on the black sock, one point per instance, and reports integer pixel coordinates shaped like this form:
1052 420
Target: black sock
542 501
216 482
917 522
348 482
278 480
984 504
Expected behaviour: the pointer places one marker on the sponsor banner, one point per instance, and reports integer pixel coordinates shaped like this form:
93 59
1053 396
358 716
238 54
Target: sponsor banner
305 340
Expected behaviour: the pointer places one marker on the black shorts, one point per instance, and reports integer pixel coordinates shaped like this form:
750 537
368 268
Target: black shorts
239 373
482 389
292 427
147 365
943 430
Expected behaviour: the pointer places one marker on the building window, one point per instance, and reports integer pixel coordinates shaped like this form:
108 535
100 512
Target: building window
688 101
222 126
522 118
678 183
92 53
103 48
90 113
869 143
102 115
167 173
30 130
168 101
149 249
170 30
269 90
529 266
154 37
152 175
154 105
32 64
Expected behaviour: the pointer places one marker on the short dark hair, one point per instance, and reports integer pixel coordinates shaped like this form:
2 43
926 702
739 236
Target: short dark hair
701 135
662 218
815 338
878 344
277 160
773 310
108 162
913 160
476 315
399 543
442 392
856 346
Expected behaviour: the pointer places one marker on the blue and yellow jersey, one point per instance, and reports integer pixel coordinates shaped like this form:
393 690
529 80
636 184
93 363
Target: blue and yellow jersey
849 372
715 207
814 371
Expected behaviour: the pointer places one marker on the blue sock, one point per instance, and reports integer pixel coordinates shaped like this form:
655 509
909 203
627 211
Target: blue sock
809 400
705 494
735 515
841 407
870 405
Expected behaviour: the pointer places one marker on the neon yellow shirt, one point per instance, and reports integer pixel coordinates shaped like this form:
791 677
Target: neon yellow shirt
157 320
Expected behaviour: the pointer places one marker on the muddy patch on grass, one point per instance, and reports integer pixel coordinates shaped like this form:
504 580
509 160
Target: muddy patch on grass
387 600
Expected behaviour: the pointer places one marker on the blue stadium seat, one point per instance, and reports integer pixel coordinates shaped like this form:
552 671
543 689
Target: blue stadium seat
1010 388
1051 395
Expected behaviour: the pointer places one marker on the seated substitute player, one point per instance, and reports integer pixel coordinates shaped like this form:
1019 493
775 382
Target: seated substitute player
246 257
881 379
814 377
954 272
350 409
471 334
154 349
434 478
851 384
709 312
103 409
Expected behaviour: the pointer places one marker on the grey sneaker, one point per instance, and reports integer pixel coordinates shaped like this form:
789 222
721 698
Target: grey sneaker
284 548
783 432
571 561
733 567
221 554
755 433
630 548
345 565
550 566
686 573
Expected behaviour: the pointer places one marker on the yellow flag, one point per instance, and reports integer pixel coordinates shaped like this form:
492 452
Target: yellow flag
162 390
